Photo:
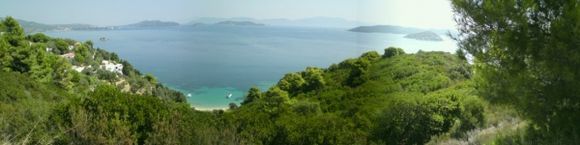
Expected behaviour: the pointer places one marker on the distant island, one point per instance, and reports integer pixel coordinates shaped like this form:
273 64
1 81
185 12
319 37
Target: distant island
239 23
79 27
425 36
33 27
324 22
151 23
385 29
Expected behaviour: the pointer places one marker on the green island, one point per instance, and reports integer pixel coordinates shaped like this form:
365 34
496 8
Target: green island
514 80
424 36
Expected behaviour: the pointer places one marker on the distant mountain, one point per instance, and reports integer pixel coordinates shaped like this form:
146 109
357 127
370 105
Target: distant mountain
425 36
325 22
150 24
239 23
196 24
212 20
80 27
386 29
31 27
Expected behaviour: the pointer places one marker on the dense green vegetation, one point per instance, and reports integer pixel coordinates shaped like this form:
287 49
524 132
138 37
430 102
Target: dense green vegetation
527 55
394 98
47 60
524 55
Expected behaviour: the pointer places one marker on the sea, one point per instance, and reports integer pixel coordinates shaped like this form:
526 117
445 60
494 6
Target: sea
216 65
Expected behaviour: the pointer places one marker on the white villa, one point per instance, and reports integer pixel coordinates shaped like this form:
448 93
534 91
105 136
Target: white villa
112 66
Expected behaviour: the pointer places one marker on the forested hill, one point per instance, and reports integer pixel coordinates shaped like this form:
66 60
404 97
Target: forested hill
393 98
74 66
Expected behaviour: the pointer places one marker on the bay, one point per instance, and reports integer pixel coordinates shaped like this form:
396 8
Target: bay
211 62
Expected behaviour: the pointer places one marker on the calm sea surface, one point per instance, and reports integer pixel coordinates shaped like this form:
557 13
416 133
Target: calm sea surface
210 62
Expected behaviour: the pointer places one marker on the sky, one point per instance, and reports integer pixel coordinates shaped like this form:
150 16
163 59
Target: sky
415 13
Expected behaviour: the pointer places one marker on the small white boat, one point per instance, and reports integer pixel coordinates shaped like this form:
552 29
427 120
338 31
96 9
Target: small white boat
188 94
229 96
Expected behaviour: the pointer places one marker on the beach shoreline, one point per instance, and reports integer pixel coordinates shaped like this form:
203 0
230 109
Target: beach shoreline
210 108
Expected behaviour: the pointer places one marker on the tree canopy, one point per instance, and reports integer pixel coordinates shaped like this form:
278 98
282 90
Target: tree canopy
526 54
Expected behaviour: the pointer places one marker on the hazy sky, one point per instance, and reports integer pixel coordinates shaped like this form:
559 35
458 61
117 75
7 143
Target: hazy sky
419 13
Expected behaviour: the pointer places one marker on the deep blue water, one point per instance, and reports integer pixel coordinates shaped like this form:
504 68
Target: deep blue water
210 62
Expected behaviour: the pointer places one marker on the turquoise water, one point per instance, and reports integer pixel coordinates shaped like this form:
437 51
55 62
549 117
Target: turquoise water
211 62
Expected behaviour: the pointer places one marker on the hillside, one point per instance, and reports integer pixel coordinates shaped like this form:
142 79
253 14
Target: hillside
74 66
396 98
393 98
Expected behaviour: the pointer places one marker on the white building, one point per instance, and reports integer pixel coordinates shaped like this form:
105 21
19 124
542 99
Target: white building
48 49
112 66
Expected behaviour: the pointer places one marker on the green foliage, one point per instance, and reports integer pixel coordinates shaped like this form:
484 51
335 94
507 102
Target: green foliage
253 94
129 70
62 46
385 108
292 82
14 32
29 55
32 59
276 96
526 55
370 56
151 78
24 107
108 116
393 51
106 75
83 54
314 78
38 38
414 122
359 68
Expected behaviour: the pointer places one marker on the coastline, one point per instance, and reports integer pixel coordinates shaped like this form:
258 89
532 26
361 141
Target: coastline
238 95
209 109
